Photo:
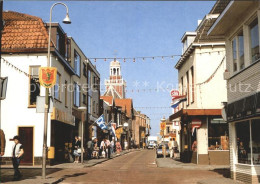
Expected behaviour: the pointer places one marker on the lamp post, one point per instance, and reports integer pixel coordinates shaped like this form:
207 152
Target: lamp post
46 107
82 132
164 147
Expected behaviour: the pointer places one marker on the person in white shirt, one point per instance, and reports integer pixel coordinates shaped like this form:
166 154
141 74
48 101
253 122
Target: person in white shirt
17 153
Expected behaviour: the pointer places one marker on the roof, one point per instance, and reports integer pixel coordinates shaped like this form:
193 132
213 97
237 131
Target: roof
22 31
126 104
108 99
195 112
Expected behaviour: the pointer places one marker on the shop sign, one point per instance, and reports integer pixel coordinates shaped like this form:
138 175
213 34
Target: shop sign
62 116
163 125
174 93
47 76
196 123
119 131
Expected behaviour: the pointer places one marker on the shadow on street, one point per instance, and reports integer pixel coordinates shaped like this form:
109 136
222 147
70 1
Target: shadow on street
6 174
68 176
224 172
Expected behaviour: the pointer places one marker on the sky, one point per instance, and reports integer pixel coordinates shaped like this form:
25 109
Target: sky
108 29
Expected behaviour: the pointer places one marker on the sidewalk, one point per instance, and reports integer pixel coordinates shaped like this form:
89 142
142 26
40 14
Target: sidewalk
223 170
32 174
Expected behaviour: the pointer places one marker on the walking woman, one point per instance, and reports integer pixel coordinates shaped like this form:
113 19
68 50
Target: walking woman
118 148
77 150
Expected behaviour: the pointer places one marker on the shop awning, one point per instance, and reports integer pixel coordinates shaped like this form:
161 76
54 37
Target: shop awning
195 112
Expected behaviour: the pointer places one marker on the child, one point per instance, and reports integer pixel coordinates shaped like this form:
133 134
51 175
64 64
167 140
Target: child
17 153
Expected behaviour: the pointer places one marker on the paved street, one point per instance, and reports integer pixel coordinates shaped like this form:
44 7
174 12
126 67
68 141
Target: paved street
134 167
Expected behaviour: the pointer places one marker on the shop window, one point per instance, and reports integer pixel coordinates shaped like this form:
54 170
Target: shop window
243 142
34 85
254 39
218 134
256 141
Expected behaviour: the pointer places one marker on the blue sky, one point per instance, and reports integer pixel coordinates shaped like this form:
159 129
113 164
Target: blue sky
132 29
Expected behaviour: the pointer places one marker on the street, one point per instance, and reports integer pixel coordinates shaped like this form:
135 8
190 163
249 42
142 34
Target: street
134 167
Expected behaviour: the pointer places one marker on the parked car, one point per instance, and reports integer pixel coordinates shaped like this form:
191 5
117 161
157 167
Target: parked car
159 151
152 144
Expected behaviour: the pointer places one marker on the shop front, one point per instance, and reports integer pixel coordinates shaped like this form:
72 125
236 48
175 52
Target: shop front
64 127
244 124
203 137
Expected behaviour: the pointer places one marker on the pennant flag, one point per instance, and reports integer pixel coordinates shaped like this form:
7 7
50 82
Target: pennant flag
101 122
177 101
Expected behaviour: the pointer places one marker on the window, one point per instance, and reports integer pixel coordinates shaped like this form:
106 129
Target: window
76 98
243 142
256 141
66 93
58 41
68 50
85 69
34 85
188 90
84 99
234 50
241 51
89 104
254 39
94 107
57 87
218 134
193 86
167 130
77 63
89 79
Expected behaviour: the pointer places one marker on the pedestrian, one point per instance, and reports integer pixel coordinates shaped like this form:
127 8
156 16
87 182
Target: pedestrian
103 148
118 148
125 144
89 148
175 148
2 143
170 144
108 147
112 145
17 153
77 149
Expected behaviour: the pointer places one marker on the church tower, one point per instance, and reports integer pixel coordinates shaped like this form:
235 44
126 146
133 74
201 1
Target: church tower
116 85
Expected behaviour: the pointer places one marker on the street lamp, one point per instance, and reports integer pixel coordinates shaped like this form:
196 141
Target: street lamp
164 147
44 152
82 109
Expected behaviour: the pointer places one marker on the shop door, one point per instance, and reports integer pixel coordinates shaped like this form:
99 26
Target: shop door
26 136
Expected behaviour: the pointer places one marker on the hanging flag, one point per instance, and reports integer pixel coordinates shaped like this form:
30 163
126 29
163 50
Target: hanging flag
177 101
101 122
47 76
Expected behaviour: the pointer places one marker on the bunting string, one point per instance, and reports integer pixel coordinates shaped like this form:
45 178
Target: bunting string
18 69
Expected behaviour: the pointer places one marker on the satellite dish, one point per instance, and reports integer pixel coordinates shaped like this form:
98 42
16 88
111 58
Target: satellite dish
224 114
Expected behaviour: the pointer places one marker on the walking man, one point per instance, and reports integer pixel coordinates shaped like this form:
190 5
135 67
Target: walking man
108 147
112 145
17 153
2 143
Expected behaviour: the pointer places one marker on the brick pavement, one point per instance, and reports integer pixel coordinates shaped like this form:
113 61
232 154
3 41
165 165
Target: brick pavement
133 168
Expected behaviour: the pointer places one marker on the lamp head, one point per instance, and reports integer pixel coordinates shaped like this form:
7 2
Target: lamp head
67 19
